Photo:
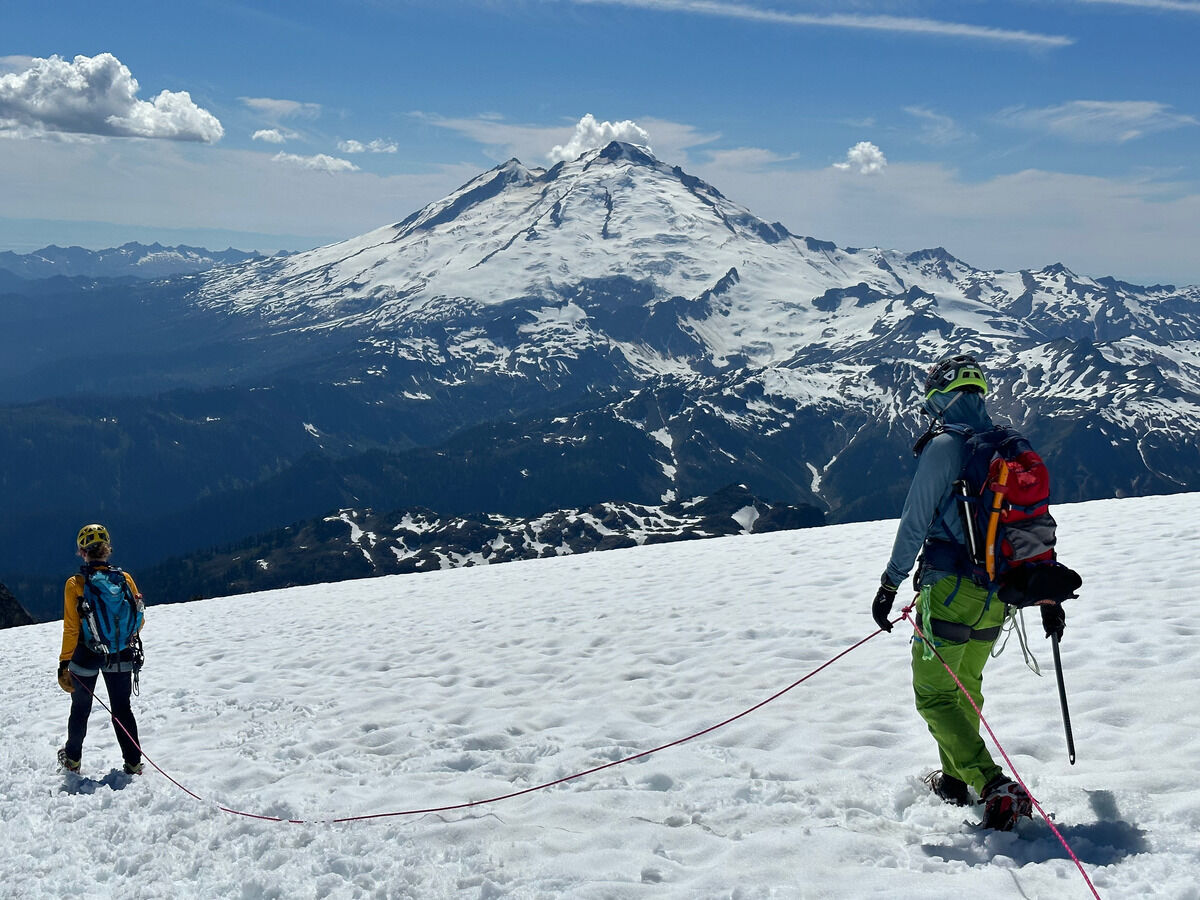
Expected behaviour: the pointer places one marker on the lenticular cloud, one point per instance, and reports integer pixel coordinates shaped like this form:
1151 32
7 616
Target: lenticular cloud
98 95
590 134
865 158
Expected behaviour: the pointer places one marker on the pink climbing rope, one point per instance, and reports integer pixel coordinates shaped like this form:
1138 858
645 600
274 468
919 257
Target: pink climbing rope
529 790
905 614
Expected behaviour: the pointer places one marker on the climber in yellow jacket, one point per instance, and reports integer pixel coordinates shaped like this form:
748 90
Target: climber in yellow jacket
102 622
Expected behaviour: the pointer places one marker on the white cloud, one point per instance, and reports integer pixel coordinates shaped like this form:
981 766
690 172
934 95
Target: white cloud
275 110
269 136
16 63
177 186
98 95
14 130
503 140
590 134
318 163
747 158
1099 121
903 25
672 140
865 157
1188 6
937 129
376 146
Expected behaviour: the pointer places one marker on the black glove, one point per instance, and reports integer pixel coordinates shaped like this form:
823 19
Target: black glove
1054 620
881 606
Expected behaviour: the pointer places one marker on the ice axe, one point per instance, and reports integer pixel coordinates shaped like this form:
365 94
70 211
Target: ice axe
1062 699
1047 585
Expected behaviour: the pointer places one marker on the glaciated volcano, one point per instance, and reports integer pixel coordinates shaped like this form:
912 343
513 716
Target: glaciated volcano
620 272
610 329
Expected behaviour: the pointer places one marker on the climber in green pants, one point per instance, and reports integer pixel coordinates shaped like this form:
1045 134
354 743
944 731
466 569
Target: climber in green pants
959 615
951 718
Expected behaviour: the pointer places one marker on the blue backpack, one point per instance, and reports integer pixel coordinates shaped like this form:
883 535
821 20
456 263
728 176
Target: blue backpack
110 614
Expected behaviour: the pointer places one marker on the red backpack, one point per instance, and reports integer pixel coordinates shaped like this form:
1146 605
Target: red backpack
1003 492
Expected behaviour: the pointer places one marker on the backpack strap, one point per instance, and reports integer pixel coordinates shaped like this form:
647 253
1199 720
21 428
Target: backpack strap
930 433
87 611
945 428
945 555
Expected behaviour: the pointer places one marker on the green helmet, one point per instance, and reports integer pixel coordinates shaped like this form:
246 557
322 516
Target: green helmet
955 373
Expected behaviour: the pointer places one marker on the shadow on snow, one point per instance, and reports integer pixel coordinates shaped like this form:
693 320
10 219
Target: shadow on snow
1104 842
81 784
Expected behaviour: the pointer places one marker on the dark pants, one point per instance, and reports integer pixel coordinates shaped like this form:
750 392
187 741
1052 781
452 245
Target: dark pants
120 688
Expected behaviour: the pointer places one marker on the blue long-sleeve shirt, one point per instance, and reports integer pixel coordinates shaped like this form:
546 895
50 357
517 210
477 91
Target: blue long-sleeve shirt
929 511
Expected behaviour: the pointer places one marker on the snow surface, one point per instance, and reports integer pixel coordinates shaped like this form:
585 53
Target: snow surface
432 690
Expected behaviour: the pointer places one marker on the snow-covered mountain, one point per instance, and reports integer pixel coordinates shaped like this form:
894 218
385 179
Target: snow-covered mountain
610 329
446 688
129 260
358 543
547 243
719 330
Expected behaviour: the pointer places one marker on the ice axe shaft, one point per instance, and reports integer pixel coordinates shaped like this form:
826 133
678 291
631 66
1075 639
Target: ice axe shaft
1062 699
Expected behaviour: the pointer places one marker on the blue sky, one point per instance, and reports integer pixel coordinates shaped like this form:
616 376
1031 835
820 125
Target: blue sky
1014 133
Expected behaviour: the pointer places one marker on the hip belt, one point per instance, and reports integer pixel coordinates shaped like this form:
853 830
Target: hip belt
958 633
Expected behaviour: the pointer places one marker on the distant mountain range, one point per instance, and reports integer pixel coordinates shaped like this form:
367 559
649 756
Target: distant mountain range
611 329
358 543
132 260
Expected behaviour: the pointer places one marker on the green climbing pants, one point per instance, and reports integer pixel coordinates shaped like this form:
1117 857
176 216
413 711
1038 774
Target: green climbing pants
952 721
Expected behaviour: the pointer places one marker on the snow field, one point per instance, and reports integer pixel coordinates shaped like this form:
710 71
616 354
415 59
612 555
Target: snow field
420 691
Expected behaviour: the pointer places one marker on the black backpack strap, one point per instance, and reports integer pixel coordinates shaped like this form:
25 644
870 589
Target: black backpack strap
931 432
943 555
944 428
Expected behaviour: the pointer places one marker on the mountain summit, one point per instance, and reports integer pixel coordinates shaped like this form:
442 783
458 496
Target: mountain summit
517 233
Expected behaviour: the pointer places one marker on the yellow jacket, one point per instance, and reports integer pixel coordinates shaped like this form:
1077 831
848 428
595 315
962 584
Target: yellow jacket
72 592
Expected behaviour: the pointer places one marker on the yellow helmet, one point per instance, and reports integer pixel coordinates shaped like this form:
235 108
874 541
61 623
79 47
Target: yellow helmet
92 534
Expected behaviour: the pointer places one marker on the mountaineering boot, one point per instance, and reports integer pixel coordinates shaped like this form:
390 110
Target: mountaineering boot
134 768
948 788
68 764
1004 801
